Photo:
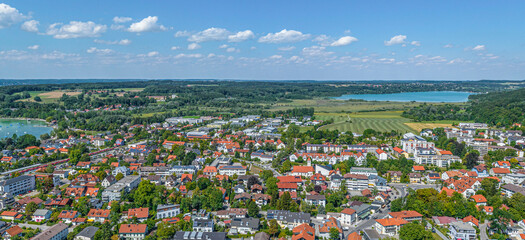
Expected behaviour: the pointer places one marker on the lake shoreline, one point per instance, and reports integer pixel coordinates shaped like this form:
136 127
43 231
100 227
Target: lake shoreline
422 97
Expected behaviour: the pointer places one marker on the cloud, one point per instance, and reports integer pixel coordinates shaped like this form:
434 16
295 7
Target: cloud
276 57
210 34
30 26
175 48
316 51
152 54
121 42
34 47
9 16
193 46
284 36
479 48
99 51
290 48
182 34
343 41
416 43
76 29
241 36
223 46
121 19
148 24
231 49
399 39
448 46
182 55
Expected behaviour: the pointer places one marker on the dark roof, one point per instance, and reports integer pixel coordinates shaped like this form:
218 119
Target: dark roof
252 223
16 179
88 232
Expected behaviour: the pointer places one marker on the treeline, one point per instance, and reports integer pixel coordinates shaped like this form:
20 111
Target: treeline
496 108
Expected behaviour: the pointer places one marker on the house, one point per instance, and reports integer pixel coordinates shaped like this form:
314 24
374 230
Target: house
98 215
389 226
287 187
287 219
325 227
133 231
108 181
499 172
316 200
348 216
18 185
433 177
395 176
203 225
511 189
68 215
418 168
166 211
406 215
501 164
381 155
400 152
244 225
481 170
461 230
87 233
232 170
58 231
354 236
41 215
232 213
123 170
140 213
210 171
479 199
303 232
471 220
415 177
13 231
302 171
11 216
443 220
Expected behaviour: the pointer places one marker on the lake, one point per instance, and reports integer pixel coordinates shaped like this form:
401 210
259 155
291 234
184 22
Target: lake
8 127
437 96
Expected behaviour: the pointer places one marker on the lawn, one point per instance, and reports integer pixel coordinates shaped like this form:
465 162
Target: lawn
358 122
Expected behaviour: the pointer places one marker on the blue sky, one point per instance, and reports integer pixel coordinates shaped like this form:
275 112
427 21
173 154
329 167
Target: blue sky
319 40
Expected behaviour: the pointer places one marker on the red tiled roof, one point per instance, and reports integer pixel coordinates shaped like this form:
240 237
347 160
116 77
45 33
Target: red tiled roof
133 228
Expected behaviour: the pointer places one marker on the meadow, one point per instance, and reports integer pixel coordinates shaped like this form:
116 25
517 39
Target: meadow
358 122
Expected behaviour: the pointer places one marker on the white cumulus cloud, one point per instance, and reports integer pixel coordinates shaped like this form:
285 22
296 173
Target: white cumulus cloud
241 36
175 48
34 47
399 39
210 34
284 36
148 24
343 41
193 46
76 29
30 26
182 55
416 43
9 16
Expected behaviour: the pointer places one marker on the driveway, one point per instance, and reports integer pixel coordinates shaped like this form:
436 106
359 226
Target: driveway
483 231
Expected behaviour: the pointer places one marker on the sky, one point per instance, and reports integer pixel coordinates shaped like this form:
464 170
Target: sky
263 40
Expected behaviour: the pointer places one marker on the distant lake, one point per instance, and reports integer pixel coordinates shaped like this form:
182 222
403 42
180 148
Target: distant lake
437 96
8 127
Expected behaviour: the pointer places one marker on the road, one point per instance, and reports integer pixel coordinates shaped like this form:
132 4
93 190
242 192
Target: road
364 224
443 236
483 231
267 167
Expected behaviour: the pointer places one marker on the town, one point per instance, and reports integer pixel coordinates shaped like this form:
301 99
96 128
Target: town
255 177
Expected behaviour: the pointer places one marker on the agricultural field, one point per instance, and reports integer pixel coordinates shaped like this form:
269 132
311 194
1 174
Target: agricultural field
358 122
50 97
341 106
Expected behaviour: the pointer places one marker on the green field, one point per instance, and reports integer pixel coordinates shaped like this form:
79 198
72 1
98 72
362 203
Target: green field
341 106
358 122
